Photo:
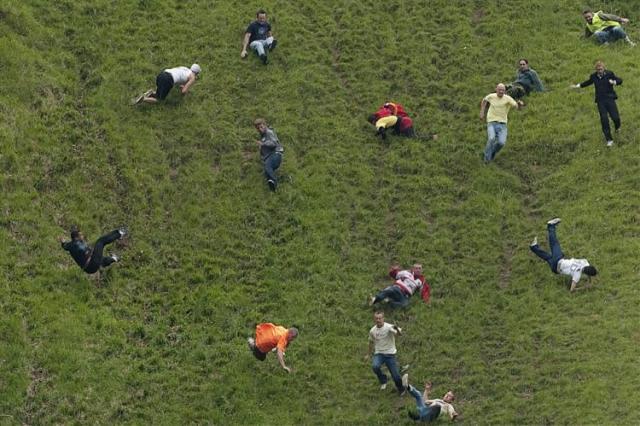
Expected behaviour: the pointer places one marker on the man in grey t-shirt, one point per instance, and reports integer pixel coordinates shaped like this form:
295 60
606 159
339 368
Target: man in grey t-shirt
382 343
271 151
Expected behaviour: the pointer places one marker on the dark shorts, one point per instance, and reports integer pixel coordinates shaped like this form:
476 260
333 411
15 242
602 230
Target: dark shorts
164 84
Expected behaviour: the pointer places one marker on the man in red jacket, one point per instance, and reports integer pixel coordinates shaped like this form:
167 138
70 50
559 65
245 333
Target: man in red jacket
407 283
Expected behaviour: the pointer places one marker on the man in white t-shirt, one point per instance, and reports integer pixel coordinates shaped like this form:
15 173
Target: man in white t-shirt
430 409
556 260
178 76
498 104
382 344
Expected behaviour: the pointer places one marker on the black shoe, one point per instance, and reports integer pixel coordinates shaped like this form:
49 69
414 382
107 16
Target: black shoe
264 59
273 45
272 185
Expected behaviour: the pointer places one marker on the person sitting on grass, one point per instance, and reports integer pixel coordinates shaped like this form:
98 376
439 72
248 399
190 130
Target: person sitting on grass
391 115
91 259
406 284
183 76
259 37
605 27
271 151
429 409
269 337
527 81
556 260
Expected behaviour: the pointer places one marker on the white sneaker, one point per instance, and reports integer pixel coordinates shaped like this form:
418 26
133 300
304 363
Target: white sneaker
554 221
609 143
534 242
372 300
251 342
115 258
383 386
405 381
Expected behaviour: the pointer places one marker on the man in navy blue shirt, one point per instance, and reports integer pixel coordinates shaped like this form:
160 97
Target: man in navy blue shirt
604 81
258 36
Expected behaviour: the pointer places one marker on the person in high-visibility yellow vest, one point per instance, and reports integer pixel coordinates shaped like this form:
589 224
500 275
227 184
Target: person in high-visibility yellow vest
605 27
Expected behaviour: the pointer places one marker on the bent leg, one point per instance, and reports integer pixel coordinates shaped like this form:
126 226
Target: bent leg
258 47
386 122
384 293
397 299
96 256
501 134
612 109
601 36
418 396
556 250
617 33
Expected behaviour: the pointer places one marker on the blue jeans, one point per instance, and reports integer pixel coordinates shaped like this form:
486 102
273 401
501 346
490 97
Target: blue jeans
392 365
426 413
259 45
496 138
397 298
556 252
271 164
610 35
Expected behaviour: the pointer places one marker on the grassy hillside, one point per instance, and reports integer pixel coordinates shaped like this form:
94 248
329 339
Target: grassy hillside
160 337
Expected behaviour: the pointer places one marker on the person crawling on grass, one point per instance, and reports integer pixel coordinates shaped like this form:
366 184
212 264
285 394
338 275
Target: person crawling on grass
182 76
272 337
391 115
556 260
88 258
605 27
526 81
271 152
259 37
407 282
429 409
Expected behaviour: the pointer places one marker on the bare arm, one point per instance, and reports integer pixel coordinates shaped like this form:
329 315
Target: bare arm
483 108
245 43
281 361
185 87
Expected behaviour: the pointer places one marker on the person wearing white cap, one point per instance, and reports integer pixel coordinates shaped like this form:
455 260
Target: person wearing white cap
182 76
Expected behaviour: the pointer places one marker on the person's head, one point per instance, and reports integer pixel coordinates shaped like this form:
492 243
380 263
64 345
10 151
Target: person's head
416 269
75 233
378 318
449 397
523 64
372 119
590 270
292 333
500 90
599 67
261 16
260 124
587 14
195 68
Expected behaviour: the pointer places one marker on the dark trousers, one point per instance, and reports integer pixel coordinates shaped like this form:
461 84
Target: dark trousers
556 252
608 108
164 84
397 299
259 355
97 260
271 164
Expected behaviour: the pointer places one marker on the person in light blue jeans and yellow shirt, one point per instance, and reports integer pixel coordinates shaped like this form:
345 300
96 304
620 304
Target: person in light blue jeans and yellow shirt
495 108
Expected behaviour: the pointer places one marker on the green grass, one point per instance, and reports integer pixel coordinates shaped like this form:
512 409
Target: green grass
160 339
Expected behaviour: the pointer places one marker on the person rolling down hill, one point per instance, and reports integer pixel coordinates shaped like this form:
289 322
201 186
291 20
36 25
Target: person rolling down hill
526 81
88 258
406 284
605 27
604 82
556 260
182 76
391 115
258 36
271 152
430 409
270 336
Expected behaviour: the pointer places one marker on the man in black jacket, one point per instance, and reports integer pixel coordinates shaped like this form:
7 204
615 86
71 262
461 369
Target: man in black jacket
604 82
87 258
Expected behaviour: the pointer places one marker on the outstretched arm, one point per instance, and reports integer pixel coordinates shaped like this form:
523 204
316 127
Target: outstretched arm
281 361
615 18
483 108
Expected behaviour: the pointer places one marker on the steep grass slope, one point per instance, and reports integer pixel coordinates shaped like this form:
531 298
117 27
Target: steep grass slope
160 338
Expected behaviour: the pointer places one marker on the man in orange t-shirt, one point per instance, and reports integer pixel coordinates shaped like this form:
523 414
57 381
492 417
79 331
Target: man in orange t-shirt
270 336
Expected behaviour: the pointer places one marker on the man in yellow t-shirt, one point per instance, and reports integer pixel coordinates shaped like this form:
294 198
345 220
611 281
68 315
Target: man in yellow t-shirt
270 336
498 104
